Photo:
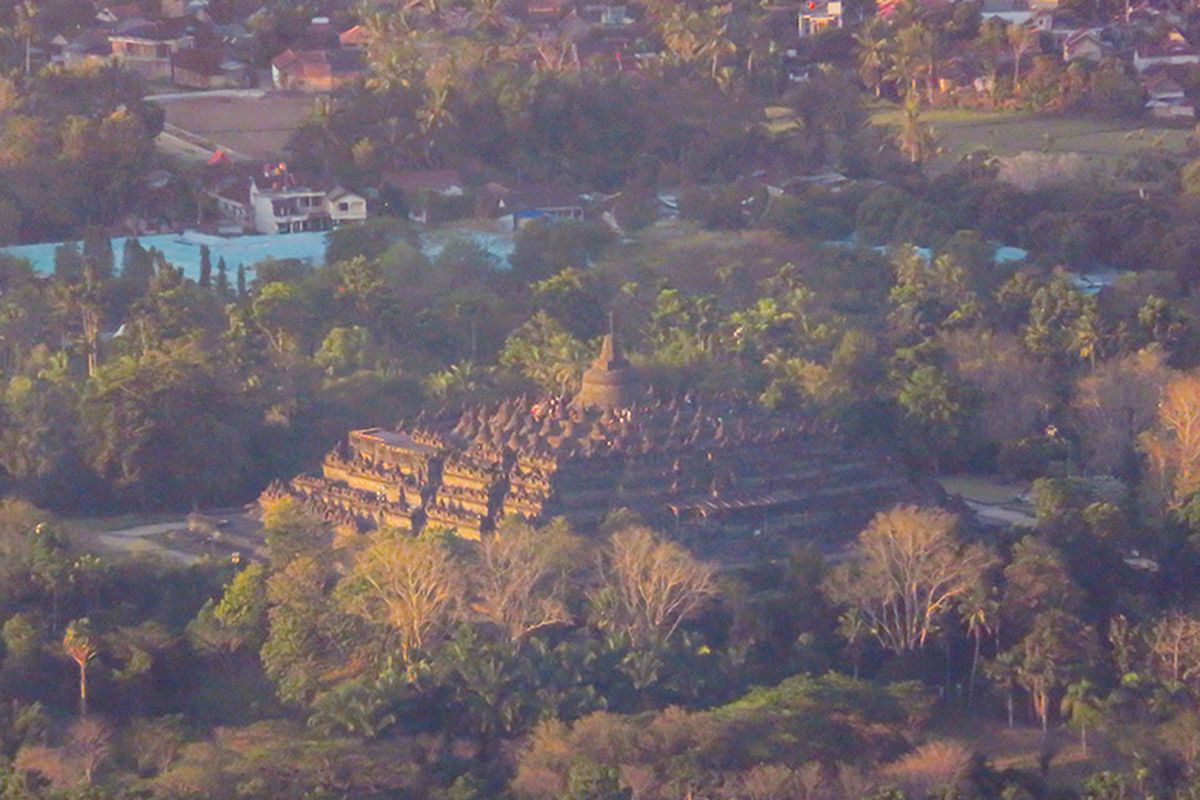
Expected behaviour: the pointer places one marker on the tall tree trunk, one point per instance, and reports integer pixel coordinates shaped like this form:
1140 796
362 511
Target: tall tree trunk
83 689
974 666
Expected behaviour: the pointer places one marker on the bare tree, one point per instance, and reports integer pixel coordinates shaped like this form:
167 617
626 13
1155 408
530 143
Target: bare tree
523 575
409 584
910 569
1175 646
649 586
89 743
1020 40
1017 390
1117 401
1173 448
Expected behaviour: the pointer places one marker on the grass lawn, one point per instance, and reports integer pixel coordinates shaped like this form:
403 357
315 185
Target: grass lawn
983 489
963 131
1021 746
121 521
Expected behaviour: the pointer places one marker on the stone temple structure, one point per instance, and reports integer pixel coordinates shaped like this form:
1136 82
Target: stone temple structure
692 465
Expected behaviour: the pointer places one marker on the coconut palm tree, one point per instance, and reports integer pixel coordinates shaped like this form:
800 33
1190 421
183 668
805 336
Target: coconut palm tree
26 29
1082 709
873 49
80 646
916 139
911 57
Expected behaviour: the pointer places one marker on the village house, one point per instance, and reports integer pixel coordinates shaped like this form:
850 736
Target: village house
429 194
317 70
147 47
545 202
817 15
208 69
278 201
1166 98
1174 50
1018 12
518 207
607 14
1085 45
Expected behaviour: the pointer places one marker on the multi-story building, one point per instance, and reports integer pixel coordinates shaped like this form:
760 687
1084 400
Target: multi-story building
277 201
146 47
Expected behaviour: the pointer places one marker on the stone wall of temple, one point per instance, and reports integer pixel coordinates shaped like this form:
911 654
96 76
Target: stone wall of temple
681 464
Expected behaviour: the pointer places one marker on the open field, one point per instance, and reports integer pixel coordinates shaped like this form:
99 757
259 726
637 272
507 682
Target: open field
1021 746
982 489
167 536
963 131
249 125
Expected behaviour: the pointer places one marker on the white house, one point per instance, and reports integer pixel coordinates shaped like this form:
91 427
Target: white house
1085 44
277 202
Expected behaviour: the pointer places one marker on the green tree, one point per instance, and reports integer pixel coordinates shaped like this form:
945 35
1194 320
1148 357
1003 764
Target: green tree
916 138
137 270
303 646
239 619
588 780
544 249
872 50
222 284
68 263
205 279
290 531
1081 707
936 408
39 440
167 427
543 351
1050 656
23 641
283 313
98 252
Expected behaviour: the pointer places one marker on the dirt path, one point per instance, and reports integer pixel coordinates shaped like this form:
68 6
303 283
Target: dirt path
230 532
137 541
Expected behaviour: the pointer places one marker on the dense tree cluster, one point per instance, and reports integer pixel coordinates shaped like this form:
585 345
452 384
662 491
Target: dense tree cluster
76 145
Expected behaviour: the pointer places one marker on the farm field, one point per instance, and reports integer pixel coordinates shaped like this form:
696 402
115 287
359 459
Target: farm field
963 131
249 124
